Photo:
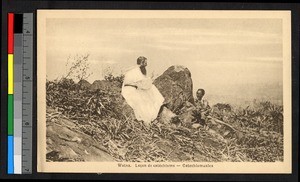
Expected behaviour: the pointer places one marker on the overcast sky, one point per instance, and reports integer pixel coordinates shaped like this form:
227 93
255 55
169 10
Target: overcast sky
229 58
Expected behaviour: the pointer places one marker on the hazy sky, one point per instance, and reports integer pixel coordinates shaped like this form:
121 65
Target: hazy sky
231 59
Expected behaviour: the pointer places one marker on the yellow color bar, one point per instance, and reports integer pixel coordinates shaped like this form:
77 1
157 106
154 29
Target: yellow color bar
10 74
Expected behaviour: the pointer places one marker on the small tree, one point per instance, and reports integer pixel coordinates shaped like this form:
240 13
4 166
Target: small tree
79 67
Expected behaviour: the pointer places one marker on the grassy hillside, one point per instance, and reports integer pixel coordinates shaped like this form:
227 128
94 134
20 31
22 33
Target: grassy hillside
99 122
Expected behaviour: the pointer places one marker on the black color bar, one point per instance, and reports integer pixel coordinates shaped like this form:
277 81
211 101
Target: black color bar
18 23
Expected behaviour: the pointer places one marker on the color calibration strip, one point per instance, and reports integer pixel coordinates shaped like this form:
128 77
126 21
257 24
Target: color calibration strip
20 72
10 124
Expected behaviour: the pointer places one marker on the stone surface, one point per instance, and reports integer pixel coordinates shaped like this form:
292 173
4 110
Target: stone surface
63 145
84 84
166 115
176 86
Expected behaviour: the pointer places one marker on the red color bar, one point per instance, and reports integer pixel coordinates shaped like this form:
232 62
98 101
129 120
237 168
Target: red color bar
10 33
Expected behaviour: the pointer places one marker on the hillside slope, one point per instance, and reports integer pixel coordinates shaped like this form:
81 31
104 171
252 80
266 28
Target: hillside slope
94 123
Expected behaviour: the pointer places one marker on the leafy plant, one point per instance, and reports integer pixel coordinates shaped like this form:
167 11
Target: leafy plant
78 67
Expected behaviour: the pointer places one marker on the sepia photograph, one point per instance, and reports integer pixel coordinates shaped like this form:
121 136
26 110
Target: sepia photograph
132 91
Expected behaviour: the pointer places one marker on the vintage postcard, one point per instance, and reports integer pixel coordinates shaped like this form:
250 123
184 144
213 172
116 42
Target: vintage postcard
139 91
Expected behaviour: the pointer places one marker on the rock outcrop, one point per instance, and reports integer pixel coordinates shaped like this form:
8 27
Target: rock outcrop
106 85
176 85
84 84
67 143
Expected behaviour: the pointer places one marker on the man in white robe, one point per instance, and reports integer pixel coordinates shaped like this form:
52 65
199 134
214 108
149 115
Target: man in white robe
139 92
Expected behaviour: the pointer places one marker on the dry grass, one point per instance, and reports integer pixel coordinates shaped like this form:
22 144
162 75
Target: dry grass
257 137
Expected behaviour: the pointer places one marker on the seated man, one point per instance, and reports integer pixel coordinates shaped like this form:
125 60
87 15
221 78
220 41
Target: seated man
140 94
200 102
202 108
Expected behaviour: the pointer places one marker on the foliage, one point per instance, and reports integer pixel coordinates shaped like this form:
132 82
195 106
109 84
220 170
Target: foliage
99 114
119 79
109 76
77 102
78 68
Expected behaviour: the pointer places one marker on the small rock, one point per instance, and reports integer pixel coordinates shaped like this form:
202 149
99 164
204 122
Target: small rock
76 139
196 125
166 115
53 155
155 136
49 141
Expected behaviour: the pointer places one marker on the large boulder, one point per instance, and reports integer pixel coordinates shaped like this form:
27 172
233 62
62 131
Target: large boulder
176 86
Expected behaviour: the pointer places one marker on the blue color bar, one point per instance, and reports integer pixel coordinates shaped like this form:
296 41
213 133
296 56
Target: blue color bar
10 153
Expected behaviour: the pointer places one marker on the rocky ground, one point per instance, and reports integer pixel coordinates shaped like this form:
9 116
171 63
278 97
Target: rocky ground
66 142
92 122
